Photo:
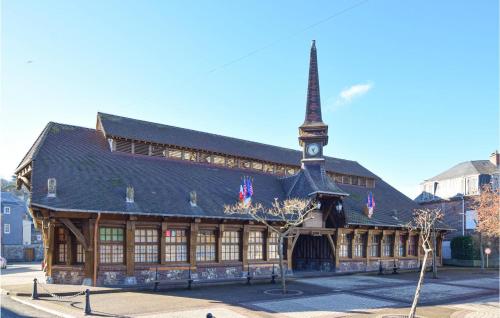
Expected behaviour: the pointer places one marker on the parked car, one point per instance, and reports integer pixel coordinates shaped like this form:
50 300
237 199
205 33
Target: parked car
3 262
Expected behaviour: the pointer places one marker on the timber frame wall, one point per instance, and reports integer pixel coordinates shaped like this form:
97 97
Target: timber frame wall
83 226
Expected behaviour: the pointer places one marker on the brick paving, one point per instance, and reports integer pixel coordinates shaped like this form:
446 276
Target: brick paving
355 296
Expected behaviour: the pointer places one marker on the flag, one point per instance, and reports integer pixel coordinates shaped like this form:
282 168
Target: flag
250 187
241 193
370 204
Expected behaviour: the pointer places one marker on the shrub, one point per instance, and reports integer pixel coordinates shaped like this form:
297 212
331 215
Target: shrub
465 247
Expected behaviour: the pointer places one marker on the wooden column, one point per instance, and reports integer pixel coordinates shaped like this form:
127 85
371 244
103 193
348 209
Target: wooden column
244 256
164 227
219 242
69 247
193 234
50 247
353 234
332 245
396 244
266 247
337 246
407 243
88 232
130 250
369 235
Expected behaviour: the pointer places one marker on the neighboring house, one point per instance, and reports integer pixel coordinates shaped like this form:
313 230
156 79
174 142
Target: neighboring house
452 191
19 239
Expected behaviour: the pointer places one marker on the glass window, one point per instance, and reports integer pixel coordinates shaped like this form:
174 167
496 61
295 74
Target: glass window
273 245
206 246
231 246
231 162
255 245
268 168
176 245
174 153
402 245
345 249
80 253
413 245
6 210
245 164
6 228
219 160
189 155
359 245
111 245
375 246
61 245
387 245
146 245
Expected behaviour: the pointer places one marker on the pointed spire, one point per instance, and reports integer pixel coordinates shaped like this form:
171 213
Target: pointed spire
313 106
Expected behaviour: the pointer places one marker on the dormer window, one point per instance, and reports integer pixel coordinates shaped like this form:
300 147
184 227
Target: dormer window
130 195
51 188
6 210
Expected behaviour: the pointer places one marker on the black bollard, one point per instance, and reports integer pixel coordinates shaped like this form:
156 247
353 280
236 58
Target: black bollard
380 268
190 280
249 277
88 311
273 277
209 315
34 294
156 280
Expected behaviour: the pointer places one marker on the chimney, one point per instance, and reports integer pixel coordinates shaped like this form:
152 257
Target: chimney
130 195
495 158
51 187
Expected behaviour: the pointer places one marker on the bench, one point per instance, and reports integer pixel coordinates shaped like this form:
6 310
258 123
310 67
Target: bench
193 279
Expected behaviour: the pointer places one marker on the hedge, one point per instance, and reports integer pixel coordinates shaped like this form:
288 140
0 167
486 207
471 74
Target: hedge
465 247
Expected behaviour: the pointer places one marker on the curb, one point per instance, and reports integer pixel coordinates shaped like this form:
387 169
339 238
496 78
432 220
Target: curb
49 311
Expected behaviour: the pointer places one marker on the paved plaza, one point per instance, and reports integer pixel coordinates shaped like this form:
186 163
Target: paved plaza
458 293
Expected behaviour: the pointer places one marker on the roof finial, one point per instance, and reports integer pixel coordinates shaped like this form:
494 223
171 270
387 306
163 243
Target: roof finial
313 106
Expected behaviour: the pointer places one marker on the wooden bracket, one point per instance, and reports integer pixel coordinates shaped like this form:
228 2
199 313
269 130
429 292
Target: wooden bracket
79 236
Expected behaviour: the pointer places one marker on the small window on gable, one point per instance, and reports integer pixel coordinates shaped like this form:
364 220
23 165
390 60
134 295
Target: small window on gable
6 228
6 210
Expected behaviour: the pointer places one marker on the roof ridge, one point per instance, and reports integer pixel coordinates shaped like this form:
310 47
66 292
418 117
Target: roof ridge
218 135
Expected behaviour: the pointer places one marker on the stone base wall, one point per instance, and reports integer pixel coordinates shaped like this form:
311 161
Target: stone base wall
350 266
15 253
314 265
73 275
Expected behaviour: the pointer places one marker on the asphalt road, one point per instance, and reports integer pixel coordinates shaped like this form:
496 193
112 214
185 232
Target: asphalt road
12 309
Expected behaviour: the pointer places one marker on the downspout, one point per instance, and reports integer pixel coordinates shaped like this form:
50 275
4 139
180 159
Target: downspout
463 216
96 228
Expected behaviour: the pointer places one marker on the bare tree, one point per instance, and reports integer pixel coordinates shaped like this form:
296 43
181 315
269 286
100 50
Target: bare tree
423 222
281 218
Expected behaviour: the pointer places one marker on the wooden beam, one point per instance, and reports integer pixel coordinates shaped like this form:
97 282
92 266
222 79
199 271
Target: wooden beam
164 227
337 245
219 243
79 236
88 231
332 246
244 253
69 247
130 250
193 234
50 247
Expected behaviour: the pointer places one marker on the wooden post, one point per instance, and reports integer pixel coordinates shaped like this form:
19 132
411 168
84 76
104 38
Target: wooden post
50 247
396 244
353 236
130 250
369 235
193 234
337 247
266 247
219 243
164 227
407 243
244 256
69 247
88 232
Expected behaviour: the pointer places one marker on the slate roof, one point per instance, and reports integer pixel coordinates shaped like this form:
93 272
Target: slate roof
467 168
9 198
92 178
129 128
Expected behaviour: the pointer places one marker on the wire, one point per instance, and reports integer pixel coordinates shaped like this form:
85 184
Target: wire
311 26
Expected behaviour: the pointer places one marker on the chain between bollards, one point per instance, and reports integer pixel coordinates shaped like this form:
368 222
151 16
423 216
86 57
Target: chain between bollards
34 294
88 311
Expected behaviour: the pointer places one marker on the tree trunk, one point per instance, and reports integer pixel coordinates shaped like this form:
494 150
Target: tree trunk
419 286
282 265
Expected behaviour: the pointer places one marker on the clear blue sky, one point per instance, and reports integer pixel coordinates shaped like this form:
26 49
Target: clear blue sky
409 88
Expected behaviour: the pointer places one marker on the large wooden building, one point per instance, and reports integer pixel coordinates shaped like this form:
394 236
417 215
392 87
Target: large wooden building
132 199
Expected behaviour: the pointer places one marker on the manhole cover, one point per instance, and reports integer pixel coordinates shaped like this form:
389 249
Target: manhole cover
279 292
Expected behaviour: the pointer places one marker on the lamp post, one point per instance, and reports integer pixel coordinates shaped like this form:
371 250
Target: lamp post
338 207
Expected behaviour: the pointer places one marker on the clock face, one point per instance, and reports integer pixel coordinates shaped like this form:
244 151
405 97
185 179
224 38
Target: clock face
313 149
